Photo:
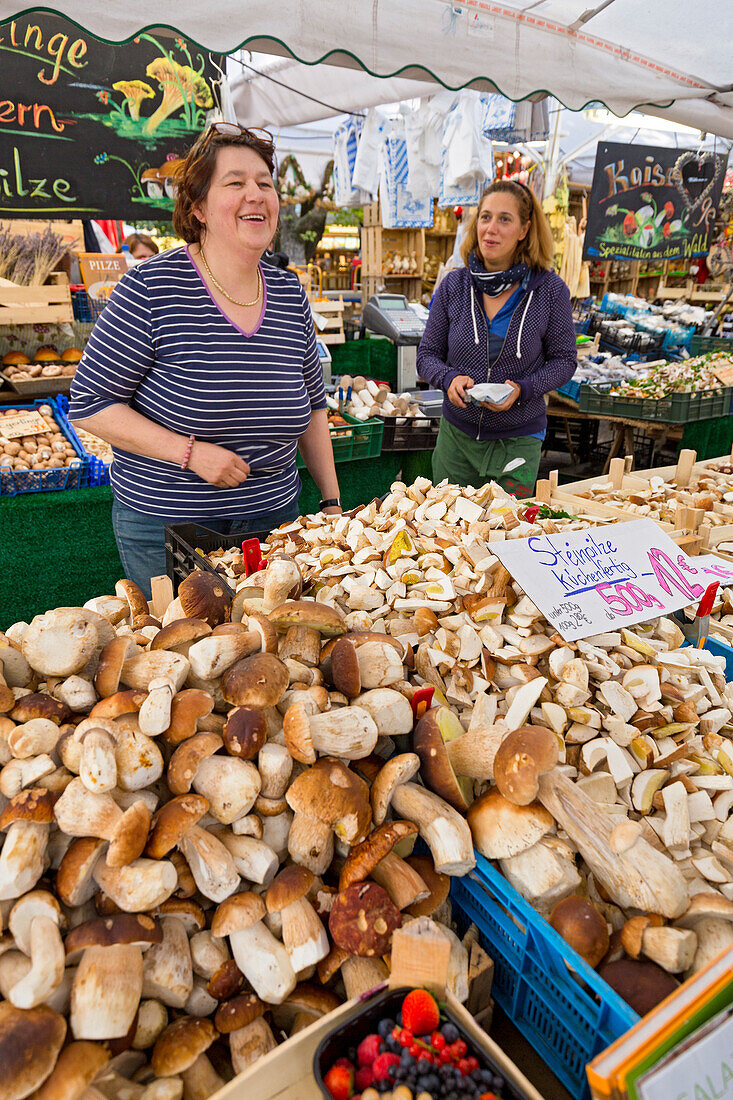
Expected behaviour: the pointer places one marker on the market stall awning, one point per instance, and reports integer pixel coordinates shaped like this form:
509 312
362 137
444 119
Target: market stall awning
622 53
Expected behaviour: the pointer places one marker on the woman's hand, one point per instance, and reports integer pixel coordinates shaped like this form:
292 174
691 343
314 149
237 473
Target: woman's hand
217 465
508 401
457 390
332 511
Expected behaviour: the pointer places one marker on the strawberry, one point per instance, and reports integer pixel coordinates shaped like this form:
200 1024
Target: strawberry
340 1082
382 1065
364 1078
420 1012
368 1050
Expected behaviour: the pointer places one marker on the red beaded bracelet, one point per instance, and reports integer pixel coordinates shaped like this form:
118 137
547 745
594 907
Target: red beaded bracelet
189 448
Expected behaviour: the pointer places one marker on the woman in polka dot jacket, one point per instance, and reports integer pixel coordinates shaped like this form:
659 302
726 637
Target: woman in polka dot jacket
505 317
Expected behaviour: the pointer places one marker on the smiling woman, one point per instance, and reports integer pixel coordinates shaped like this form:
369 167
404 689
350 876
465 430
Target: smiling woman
203 372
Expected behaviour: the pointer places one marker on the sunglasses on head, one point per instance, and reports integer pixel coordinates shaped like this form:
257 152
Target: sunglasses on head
233 129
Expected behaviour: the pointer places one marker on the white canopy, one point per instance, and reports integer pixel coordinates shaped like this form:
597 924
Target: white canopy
623 53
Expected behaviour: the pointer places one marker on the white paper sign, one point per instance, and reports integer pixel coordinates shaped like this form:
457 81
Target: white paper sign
587 582
702 1072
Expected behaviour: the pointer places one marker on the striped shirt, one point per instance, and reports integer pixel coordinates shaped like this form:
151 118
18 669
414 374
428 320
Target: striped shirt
165 348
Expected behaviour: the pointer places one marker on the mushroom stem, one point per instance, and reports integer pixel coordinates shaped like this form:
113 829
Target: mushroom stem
303 644
47 965
200 1080
22 858
304 936
362 974
264 962
473 754
249 1043
442 828
401 881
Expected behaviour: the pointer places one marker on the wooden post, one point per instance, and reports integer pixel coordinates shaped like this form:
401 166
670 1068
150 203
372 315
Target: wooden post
617 469
543 492
420 957
162 590
683 472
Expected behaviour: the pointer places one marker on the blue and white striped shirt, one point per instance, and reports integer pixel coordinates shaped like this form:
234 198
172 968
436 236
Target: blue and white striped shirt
164 347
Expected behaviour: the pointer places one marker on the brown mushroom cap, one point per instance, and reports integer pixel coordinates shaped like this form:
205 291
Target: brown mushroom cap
345 674
438 726
437 883
335 796
128 701
123 928
187 709
298 736
226 982
238 1012
632 933
128 590
310 1000
578 921
316 616
327 968
236 913
501 829
245 732
38 705
77 1066
523 756
364 857
74 881
204 596
30 1041
129 835
642 984
180 1044
400 769
363 919
179 632
188 912
32 804
291 884
173 821
361 637
257 681
185 760
109 669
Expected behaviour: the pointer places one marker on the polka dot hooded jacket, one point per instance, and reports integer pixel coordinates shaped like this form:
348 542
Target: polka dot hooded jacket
539 351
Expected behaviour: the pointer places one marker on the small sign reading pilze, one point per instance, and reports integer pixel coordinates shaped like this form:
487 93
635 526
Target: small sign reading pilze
591 581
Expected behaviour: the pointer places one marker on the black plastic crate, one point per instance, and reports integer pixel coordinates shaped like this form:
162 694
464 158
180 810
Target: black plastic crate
414 433
643 450
186 544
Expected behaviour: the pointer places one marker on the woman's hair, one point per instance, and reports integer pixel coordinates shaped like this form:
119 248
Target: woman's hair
136 239
194 176
537 249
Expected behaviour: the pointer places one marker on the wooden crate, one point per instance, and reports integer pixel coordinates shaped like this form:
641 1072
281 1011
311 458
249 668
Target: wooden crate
329 320
376 242
31 305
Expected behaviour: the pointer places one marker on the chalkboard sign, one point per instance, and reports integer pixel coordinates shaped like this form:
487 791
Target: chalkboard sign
651 203
89 129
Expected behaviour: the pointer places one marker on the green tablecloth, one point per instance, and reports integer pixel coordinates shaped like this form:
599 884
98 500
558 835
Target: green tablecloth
710 438
374 358
58 548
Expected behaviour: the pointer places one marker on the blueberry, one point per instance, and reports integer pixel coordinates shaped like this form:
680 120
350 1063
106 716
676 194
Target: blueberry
393 1045
399 1019
385 1027
451 1033
405 1057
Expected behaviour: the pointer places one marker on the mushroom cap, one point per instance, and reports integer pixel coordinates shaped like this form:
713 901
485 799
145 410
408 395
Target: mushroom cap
438 884
345 674
226 981
245 732
188 912
74 881
173 821
187 708
77 1066
258 623
237 912
60 642
179 632
178 1047
523 756
307 998
204 596
642 984
317 616
580 924
291 884
185 760
298 736
30 1041
332 963
706 905
38 705
501 829
400 769
257 681
128 701
129 835
32 804
109 668
238 1012
438 726
363 919
36 903
364 857
123 928
335 796
128 590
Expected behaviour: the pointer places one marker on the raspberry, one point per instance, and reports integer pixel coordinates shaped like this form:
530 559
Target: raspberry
414 1050
368 1050
473 1064
382 1065
364 1078
420 1013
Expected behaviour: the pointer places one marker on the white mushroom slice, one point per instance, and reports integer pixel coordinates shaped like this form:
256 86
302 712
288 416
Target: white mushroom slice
154 717
379 664
618 699
676 831
389 709
523 701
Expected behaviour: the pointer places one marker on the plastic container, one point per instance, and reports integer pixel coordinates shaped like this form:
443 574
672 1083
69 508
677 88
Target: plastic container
571 389
98 470
362 440
414 433
386 1004
675 408
561 1006
701 344
186 544
13 482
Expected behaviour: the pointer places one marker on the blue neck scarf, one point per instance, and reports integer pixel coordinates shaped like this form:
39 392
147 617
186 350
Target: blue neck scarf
495 283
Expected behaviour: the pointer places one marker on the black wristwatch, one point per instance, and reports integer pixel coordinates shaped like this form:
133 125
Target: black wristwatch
332 502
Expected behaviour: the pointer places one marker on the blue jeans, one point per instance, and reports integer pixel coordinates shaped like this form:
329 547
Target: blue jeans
141 545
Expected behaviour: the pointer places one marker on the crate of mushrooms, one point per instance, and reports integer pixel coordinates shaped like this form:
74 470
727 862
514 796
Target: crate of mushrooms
407 426
208 819
37 451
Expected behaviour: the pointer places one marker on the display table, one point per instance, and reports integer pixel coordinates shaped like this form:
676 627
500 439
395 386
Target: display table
59 548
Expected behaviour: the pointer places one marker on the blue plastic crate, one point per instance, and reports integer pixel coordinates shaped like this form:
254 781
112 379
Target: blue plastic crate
558 1002
13 482
571 389
719 649
98 470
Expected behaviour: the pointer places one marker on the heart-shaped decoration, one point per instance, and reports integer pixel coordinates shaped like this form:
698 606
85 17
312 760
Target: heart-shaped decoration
701 159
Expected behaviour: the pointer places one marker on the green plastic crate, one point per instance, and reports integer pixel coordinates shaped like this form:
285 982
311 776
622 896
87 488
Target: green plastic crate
363 439
699 345
675 408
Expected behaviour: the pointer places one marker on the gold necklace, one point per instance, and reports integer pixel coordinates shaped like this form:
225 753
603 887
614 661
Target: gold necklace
219 287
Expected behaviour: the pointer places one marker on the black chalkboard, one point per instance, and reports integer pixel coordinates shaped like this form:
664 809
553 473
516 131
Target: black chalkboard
89 129
650 203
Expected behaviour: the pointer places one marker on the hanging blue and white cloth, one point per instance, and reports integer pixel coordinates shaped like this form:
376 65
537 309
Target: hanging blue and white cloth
467 158
345 146
399 208
365 169
516 122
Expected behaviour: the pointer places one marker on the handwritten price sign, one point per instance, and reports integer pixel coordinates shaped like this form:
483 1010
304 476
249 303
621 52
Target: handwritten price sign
587 582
